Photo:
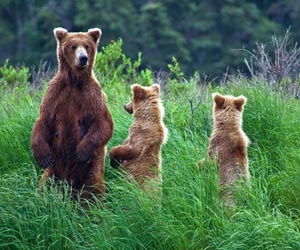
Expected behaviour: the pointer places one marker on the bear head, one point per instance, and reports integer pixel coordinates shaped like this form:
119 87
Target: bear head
77 51
228 109
142 97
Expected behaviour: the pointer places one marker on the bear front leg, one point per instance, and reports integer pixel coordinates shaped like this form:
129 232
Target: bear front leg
88 145
122 153
39 145
98 134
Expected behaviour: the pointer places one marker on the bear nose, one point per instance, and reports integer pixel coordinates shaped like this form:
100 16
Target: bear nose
130 111
83 59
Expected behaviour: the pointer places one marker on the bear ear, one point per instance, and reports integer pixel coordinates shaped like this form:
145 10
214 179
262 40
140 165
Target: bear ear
138 91
239 102
155 88
60 33
219 99
95 33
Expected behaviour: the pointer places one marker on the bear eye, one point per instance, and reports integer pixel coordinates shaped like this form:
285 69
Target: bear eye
73 47
86 47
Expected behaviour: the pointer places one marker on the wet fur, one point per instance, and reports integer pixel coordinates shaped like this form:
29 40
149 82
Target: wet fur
74 125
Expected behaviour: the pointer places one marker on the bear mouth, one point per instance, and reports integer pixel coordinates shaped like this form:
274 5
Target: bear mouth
81 66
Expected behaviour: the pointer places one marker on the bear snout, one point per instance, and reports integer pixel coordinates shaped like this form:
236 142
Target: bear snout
128 108
81 57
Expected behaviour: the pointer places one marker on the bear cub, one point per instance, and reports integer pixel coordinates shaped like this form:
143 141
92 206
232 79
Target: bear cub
140 153
228 142
74 125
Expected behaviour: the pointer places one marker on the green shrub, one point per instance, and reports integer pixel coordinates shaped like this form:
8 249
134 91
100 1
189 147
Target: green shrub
113 67
11 77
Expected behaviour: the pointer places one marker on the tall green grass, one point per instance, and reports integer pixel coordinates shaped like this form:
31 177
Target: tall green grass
191 215
17 115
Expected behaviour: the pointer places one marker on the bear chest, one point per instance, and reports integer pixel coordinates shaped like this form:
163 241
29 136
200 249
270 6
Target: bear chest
70 118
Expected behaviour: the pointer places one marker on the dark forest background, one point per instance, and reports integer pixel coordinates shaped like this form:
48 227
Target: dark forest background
204 35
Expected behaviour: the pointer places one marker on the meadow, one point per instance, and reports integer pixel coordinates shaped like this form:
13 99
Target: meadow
191 215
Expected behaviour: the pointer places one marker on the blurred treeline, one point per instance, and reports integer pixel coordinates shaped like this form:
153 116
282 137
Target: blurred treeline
204 35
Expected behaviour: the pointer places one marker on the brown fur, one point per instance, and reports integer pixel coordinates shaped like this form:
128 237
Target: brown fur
140 153
228 142
74 125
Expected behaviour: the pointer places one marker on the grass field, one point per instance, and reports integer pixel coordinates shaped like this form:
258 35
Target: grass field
191 215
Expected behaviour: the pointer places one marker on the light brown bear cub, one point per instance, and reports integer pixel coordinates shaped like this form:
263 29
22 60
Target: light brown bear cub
140 153
74 125
228 142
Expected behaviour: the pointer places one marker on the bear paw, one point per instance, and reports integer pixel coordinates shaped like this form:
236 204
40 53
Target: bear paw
46 161
115 163
82 157
84 153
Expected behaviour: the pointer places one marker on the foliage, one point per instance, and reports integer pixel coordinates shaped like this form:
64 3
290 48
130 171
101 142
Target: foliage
191 215
280 67
11 77
40 76
114 66
159 30
174 69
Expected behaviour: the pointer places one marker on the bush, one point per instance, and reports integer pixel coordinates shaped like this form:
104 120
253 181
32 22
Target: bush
113 67
12 77
279 65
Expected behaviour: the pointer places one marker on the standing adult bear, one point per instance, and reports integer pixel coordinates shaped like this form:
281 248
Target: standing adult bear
74 125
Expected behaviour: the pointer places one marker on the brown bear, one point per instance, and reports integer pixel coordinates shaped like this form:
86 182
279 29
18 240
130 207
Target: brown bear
228 142
140 153
74 125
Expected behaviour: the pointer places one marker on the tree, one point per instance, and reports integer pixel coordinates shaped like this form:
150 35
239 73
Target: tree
204 35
